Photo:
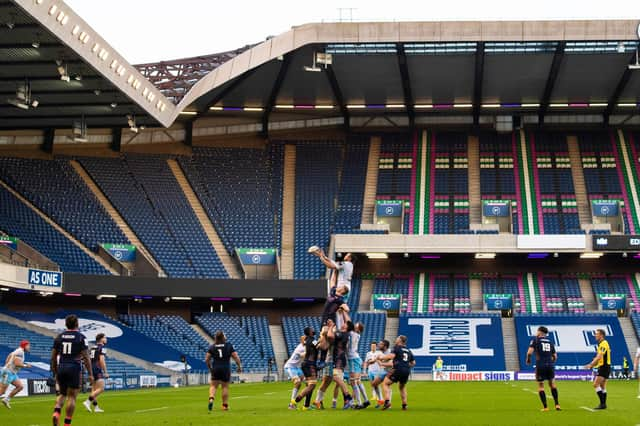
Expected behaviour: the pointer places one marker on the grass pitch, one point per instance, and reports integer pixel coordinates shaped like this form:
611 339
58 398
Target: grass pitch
441 403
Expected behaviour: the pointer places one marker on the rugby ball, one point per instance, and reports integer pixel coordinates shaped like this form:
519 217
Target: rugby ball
313 249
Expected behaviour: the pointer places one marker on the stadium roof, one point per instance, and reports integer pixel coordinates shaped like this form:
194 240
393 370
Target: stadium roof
404 71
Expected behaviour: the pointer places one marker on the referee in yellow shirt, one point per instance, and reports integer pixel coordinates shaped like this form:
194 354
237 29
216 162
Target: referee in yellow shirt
603 362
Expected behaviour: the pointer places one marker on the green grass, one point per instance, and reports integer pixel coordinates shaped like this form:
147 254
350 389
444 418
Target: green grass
442 403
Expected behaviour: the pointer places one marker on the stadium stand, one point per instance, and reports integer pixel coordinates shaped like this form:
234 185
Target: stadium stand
234 187
616 284
144 191
348 214
56 189
249 335
16 218
507 285
450 294
561 294
316 190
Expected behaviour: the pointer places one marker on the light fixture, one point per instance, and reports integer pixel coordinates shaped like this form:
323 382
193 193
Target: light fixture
406 255
131 121
590 255
75 30
106 296
97 92
36 44
620 48
4 289
556 255
262 299
23 98
319 58
53 9
377 255
180 298
188 113
113 105
624 255
79 130
78 77
485 256
635 66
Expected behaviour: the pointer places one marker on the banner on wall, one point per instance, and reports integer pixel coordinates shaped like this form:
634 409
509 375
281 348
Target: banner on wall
387 302
495 208
44 280
612 302
388 208
10 242
249 256
604 208
498 302
121 252
464 343
616 242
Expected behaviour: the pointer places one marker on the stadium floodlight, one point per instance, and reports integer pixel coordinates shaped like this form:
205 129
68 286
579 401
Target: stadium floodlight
377 255
106 296
485 256
180 298
262 299
319 58
590 255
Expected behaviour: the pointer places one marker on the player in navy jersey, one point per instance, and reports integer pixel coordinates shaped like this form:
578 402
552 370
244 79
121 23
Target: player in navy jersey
403 362
546 357
340 339
309 368
71 348
99 367
218 359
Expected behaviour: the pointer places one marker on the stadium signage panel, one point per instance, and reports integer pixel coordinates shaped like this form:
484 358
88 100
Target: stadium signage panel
616 242
573 337
464 343
495 208
604 208
387 302
148 381
10 242
498 302
612 302
44 280
385 208
478 376
39 387
121 252
560 375
249 256
551 242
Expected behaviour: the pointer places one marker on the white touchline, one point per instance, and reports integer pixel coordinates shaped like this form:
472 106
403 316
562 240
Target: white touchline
239 397
151 409
588 409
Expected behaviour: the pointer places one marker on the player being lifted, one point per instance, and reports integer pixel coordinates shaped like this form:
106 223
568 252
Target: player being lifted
99 367
602 360
403 361
546 357
71 347
293 368
218 359
9 373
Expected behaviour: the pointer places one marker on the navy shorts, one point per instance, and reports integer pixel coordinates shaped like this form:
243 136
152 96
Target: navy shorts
309 370
545 373
68 377
340 362
399 376
221 374
98 374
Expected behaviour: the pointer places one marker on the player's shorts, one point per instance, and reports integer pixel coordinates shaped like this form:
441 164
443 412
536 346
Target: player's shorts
340 362
399 376
355 365
438 370
221 374
7 377
68 377
309 370
294 372
545 373
327 371
604 371
98 374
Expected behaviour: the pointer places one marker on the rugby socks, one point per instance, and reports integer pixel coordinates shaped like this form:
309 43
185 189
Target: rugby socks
554 392
600 395
307 400
94 401
604 397
543 398
356 393
319 396
294 393
363 392
67 421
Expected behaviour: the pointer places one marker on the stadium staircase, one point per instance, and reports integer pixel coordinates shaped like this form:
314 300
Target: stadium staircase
475 294
391 329
511 358
279 346
473 156
629 333
577 172
371 182
203 333
229 265
288 212
366 292
61 230
590 302
630 171
117 218
137 362
530 215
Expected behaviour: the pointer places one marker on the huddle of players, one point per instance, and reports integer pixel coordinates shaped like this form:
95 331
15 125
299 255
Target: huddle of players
334 357
546 356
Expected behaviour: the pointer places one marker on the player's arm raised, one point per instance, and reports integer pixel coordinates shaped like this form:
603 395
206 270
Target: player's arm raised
236 359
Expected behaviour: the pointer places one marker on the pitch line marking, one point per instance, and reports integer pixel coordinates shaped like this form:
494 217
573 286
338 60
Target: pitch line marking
151 409
269 393
239 397
588 409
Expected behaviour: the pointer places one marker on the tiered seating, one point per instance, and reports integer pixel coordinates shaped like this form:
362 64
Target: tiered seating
498 174
374 326
170 330
18 219
395 165
350 196
451 185
635 320
56 189
234 188
451 294
616 284
561 294
552 175
249 335
600 167
398 284
276 166
505 285
11 335
354 295
316 188
145 192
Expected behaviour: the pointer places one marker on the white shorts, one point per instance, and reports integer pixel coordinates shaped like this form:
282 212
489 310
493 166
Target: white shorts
292 373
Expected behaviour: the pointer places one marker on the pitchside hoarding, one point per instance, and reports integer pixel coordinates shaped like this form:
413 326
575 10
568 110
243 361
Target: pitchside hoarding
464 343
573 337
